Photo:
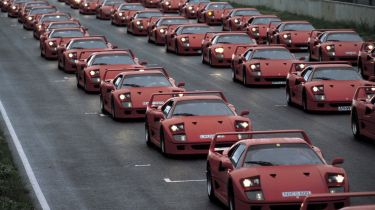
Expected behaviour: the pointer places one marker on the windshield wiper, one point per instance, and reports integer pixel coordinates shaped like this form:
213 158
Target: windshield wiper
323 78
333 40
262 163
224 42
100 64
132 85
260 58
183 114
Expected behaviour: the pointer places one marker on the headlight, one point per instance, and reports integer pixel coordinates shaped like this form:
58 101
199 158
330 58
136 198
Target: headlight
94 72
138 22
370 47
167 3
236 20
254 29
179 137
70 55
285 36
120 14
328 47
242 124
40 27
124 96
77 1
30 18
14 7
336 189
183 39
253 66
5 3
335 178
177 127
210 13
251 182
162 30
51 43
319 88
219 50
256 195
301 66
86 5
190 8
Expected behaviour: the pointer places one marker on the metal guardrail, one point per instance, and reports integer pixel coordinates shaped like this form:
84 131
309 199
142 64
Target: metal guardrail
364 2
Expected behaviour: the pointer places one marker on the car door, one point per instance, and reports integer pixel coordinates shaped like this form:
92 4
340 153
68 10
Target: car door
155 126
369 117
108 95
299 86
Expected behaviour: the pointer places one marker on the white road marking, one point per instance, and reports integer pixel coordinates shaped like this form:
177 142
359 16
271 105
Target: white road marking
281 105
216 75
168 180
103 115
144 165
29 171
91 113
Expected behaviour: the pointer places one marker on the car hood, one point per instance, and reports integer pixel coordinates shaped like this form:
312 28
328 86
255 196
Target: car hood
229 49
274 67
195 40
346 48
142 95
298 36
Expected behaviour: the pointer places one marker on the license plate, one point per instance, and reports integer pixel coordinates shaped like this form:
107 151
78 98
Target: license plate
303 48
279 82
344 108
351 53
154 103
296 194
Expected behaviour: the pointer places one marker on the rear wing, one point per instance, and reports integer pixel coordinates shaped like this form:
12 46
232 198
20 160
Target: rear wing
298 66
181 94
201 5
109 74
272 26
317 32
329 196
241 49
364 93
250 134
154 19
171 28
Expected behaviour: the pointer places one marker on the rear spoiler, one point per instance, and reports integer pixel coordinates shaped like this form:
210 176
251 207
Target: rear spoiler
335 196
317 32
154 19
240 49
273 25
181 94
300 65
250 134
364 92
140 68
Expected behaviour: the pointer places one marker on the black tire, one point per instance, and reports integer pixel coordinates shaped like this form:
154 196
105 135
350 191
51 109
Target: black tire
59 64
163 150
84 84
210 58
355 125
210 186
113 113
288 96
305 106
77 82
234 79
320 59
166 46
231 201
147 135
102 109
244 76
177 51
203 61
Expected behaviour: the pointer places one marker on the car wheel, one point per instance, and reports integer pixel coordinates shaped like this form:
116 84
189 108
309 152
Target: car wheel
304 103
244 78
231 202
59 66
320 57
210 186
41 53
114 116
78 85
85 84
209 58
355 125
102 109
147 135
177 48
162 145
234 79
288 96
203 61
167 46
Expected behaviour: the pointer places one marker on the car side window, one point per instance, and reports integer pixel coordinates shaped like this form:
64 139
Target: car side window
167 108
248 54
323 37
306 74
237 153
117 81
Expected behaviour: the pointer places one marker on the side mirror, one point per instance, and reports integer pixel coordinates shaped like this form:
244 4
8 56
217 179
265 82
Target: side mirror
316 42
370 108
85 28
142 62
240 61
225 165
208 44
299 80
114 46
181 84
244 113
337 161
158 116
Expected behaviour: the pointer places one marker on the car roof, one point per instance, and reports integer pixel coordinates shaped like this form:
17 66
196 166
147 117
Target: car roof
229 33
330 65
67 29
109 52
340 30
265 16
89 38
198 97
236 9
64 22
296 21
278 140
267 47
143 72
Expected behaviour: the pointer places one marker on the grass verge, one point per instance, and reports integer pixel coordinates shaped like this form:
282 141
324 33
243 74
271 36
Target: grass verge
13 194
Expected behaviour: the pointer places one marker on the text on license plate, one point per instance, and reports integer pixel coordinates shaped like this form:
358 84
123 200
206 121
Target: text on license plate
344 108
279 82
154 103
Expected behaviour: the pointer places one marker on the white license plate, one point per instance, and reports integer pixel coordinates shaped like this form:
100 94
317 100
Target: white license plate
279 82
296 194
303 48
344 108
350 53
154 103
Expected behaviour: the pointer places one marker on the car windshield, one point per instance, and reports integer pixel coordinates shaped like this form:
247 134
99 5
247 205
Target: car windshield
172 21
112 2
63 25
281 154
218 6
31 5
197 1
90 1
131 7
20 1
112 59
344 37
148 15
202 107
265 20
336 73
146 80
37 11
195 30
245 13
87 44
298 27
54 18
66 34
233 39
272 54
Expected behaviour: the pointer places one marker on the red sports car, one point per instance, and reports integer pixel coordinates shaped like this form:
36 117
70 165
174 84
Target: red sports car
151 3
335 45
293 34
170 6
141 19
34 12
24 10
191 7
89 72
44 20
366 60
309 201
62 24
272 172
88 7
57 39
186 123
15 7
124 12
218 48
213 12
157 31
106 9
257 27
186 39
262 65
363 112
237 18
74 4
127 95
324 87
80 49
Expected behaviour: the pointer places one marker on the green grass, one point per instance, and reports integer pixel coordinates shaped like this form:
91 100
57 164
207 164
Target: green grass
13 194
368 33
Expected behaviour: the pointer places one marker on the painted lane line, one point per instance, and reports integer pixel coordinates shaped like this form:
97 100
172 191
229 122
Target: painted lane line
91 113
168 180
281 105
144 165
29 171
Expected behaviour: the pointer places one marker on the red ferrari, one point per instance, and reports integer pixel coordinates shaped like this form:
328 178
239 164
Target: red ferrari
44 20
275 171
186 123
80 49
74 4
89 71
127 95
24 10
293 34
122 15
15 8
170 6
151 3
218 48
191 7
258 26
324 87
213 12
186 39
237 18
57 39
335 45
105 10
363 112
158 30
366 60
262 65
141 19
88 7
34 12
58 25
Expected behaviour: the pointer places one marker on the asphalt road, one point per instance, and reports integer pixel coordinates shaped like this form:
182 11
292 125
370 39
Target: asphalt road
84 160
